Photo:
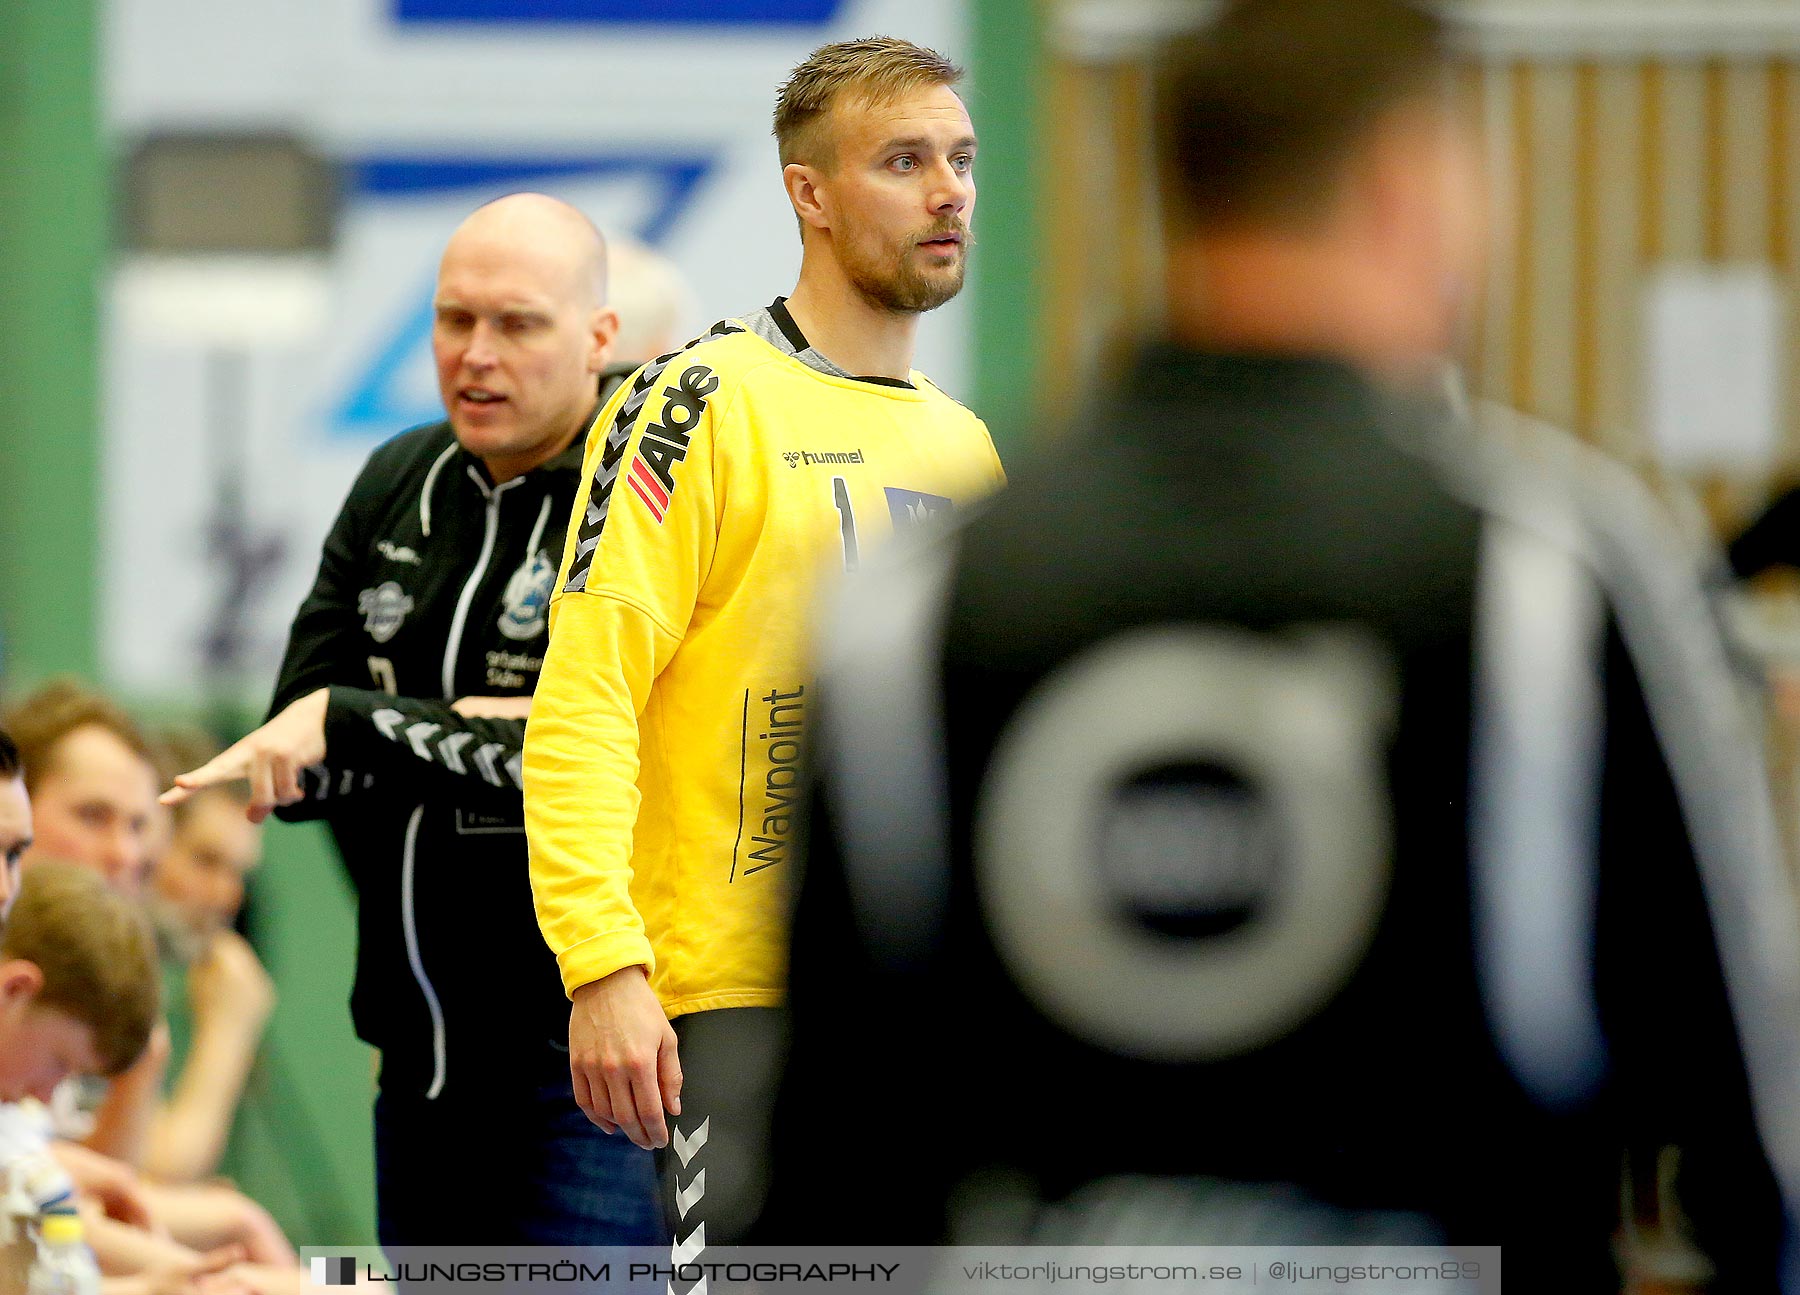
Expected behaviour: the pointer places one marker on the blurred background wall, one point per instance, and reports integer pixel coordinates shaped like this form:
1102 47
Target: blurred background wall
218 224
1648 194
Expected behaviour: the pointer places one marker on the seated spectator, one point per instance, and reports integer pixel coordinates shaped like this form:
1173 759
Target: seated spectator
197 889
92 784
91 780
78 995
15 821
78 988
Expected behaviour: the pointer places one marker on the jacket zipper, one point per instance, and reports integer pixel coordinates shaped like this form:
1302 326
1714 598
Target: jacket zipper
452 649
409 924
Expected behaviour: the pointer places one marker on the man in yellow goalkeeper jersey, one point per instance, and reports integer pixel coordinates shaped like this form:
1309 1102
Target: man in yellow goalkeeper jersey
662 758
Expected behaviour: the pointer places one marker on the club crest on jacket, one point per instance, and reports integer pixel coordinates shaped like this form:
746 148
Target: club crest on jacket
384 608
525 606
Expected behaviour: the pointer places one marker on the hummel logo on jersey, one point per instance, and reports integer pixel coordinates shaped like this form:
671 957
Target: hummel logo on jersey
665 443
821 457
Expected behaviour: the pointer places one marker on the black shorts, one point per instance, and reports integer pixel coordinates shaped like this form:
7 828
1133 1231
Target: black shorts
714 1172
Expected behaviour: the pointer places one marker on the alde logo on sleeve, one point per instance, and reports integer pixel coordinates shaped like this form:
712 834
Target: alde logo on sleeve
664 443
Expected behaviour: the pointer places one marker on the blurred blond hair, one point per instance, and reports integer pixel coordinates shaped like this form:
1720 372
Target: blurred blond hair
654 301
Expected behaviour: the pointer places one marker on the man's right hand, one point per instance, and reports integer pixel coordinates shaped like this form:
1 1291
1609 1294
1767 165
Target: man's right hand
622 1057
271 758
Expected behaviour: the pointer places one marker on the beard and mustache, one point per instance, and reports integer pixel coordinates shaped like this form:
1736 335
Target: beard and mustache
891 280
182 933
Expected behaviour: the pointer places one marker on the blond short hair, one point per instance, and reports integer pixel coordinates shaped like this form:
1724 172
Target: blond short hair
97 954
875 69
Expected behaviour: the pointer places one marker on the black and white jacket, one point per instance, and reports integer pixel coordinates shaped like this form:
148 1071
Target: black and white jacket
434 584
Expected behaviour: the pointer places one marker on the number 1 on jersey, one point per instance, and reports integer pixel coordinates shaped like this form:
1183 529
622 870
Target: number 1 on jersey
840 495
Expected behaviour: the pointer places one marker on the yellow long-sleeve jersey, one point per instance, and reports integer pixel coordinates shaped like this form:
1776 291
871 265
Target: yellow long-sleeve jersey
663 754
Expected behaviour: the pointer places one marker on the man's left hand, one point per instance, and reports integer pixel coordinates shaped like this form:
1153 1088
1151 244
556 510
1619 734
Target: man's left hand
271 759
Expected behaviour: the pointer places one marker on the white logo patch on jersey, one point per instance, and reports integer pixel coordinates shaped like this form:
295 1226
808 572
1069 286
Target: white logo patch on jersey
384 608
525 606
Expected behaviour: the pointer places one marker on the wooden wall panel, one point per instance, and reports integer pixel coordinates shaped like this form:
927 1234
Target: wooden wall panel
1744 149
1602 168
1611 366
1549 333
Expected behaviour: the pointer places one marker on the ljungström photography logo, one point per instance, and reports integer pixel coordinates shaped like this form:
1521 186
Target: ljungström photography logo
334 1270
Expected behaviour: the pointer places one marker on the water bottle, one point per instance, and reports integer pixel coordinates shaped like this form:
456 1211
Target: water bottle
65 1265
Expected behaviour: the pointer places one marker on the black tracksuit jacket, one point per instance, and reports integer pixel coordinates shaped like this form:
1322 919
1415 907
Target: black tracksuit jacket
434 584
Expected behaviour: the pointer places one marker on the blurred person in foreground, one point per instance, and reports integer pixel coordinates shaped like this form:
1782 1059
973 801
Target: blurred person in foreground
196 892
662 761
398 718
1334 830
